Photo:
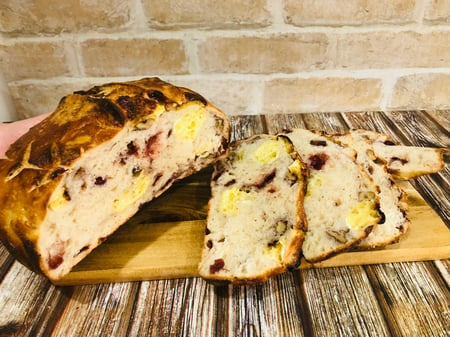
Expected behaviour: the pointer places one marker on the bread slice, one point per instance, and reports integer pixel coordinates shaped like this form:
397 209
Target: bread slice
256 222
73 179
341 203
404 162
393 200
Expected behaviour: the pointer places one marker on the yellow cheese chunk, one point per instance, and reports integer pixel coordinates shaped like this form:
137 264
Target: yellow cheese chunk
230 199
295 169
314 182
267 152
363 214
276 251
190 123
239 155
138 187
59 201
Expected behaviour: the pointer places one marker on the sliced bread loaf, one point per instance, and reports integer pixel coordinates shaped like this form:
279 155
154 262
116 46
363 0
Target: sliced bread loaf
404 162
393 200
341 204
256 221
74 178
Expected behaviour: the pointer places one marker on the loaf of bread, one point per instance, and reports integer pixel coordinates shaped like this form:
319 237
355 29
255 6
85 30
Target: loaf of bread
256 222
393 200
74 178
404 162
341 204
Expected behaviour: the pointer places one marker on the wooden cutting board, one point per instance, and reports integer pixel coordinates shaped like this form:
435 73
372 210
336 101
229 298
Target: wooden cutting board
164 240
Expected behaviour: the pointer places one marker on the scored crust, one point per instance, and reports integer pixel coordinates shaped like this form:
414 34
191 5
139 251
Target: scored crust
74 178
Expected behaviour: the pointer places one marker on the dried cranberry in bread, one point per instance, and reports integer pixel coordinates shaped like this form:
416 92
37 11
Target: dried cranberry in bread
341 203
404 162
256 222
73 179
393 200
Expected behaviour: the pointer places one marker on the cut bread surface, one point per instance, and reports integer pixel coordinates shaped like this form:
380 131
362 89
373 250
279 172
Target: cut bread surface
256 222
393 200
341 203
135 167
404 162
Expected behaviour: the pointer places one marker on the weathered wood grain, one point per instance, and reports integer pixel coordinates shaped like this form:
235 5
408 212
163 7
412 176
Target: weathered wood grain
328 122
182 307
441 118
369 120
6 260
413 297
50 310
245 126
415 128
342 303
432 189
277 123
100 310
25 298
444 270
274 308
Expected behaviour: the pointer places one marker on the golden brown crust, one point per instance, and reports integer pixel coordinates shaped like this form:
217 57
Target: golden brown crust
85 119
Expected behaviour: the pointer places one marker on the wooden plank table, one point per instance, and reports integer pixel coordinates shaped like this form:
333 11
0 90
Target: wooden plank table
386 299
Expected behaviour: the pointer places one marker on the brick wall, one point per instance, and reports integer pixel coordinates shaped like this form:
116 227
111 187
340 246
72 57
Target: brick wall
247 57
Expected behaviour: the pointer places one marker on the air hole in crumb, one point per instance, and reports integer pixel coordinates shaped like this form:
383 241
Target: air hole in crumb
66 194
272 243
100 181
229 183
318 142
136 170
82 250
131 148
